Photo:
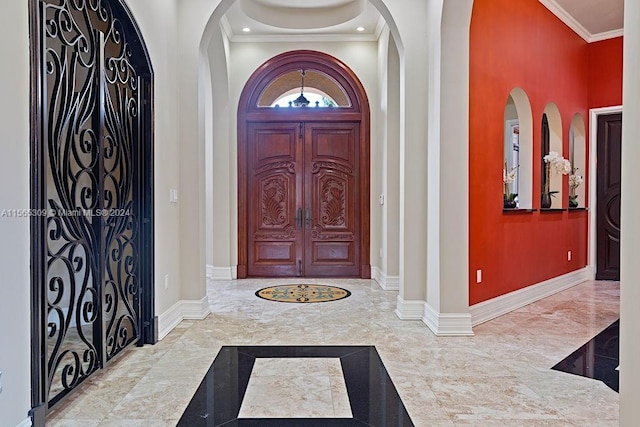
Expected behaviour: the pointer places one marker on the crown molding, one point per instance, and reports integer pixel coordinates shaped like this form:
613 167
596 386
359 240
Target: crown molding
569 20
576 26
607 35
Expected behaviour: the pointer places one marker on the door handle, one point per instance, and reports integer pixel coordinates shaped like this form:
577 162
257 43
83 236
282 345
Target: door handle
307 220
299 218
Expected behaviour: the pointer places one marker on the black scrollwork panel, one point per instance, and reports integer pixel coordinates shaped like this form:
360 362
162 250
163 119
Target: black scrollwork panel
91 145
121 144
71 170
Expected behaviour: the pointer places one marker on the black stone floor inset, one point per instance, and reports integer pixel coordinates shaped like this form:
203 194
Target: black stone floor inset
373 397
597 359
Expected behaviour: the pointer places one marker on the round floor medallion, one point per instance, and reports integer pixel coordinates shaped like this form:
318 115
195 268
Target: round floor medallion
302 293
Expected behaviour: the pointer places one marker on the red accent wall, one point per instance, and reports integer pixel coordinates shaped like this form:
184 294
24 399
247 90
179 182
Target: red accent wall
520 44
605 73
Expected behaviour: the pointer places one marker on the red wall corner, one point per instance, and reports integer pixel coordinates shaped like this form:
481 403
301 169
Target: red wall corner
605 73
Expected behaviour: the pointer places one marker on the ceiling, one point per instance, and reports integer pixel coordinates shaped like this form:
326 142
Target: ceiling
278 20
592 20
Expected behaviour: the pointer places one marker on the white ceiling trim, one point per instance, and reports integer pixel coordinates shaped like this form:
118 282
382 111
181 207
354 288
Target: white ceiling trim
569 20
607 35
306 38
572 23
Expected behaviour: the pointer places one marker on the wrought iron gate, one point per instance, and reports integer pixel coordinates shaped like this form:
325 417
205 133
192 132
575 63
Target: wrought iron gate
92 205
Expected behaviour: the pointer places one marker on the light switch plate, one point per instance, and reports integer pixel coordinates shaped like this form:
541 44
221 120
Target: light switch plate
173 195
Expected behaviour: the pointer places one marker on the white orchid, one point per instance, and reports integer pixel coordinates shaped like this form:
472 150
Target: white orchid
509 177
557 163
574 179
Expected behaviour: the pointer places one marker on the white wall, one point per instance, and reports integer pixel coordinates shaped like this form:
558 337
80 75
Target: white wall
158 24
454 160
447 306
15 400
222 192
386 172
193 16
630 212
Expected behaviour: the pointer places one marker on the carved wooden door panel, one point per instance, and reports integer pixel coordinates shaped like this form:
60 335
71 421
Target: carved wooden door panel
275 199
302 205
332 228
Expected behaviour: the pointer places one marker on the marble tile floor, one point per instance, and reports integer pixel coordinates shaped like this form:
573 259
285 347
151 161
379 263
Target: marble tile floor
279 388
502 376
296 400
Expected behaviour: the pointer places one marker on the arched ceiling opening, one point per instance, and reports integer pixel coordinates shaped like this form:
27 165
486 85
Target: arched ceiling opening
304 18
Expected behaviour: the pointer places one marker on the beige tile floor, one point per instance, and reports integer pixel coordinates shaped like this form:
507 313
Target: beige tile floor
316 385
499 377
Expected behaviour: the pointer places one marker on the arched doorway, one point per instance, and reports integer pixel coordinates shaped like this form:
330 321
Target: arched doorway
303 172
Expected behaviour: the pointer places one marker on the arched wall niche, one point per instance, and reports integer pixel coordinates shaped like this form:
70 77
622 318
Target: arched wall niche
551 116
518 115
578 159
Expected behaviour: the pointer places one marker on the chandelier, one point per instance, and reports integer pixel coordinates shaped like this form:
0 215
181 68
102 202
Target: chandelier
301 101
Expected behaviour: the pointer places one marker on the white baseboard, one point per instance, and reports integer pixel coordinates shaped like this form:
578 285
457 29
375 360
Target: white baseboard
25 423
409 309
183 309
387 283
503 304
169 320
447 324
209 274
221 273
195 310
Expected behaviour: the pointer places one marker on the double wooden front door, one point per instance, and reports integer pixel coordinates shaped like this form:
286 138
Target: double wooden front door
303 201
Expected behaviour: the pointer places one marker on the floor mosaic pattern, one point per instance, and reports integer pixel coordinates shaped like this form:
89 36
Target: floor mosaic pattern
303 293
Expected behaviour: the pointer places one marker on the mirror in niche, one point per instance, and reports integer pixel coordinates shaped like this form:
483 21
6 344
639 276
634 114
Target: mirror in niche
510 169
554 165
577 158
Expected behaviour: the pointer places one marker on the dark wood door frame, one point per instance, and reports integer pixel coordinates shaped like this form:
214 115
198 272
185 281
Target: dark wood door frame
248 111
609 134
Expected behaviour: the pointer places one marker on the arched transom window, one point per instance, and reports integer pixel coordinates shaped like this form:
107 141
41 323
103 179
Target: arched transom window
315 86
